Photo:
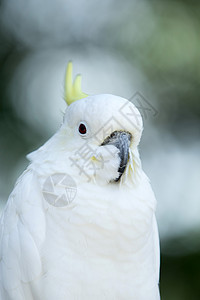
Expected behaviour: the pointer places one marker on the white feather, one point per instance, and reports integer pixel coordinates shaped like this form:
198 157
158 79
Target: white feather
102 245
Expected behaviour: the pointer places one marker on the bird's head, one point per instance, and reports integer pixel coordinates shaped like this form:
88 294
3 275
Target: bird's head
98 138
103 132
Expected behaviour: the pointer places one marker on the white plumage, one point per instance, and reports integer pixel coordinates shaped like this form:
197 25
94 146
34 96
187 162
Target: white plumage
102 245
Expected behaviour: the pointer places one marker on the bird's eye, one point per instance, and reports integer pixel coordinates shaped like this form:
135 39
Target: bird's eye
82 129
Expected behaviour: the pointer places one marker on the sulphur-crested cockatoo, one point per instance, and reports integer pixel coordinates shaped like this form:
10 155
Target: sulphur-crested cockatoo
80 223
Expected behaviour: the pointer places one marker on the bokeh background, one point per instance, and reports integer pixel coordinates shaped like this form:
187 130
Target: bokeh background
147 48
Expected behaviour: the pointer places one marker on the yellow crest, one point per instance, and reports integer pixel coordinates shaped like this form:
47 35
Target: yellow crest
72 89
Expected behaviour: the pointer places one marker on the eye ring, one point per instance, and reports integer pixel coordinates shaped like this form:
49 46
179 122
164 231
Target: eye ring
82 129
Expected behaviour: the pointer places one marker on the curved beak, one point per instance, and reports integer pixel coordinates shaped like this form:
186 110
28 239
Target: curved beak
121 140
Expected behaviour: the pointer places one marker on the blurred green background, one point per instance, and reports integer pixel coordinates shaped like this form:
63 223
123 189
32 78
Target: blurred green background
121 47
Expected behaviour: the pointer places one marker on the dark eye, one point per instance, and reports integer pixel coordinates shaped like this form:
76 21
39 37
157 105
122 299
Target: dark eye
82 128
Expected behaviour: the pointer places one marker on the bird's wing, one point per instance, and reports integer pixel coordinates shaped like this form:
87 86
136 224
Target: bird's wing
22 231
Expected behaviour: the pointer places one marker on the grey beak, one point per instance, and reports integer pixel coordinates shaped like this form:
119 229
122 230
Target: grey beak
121 140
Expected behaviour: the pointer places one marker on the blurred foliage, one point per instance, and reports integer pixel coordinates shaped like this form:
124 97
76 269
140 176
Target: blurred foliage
16 137
180 277
165 45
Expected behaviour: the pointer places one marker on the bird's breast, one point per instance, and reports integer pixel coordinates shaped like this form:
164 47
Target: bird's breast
101 222
98 244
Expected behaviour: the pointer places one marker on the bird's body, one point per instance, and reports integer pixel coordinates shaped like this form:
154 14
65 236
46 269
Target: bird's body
103 244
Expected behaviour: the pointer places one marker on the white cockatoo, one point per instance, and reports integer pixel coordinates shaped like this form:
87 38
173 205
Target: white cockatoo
80 223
